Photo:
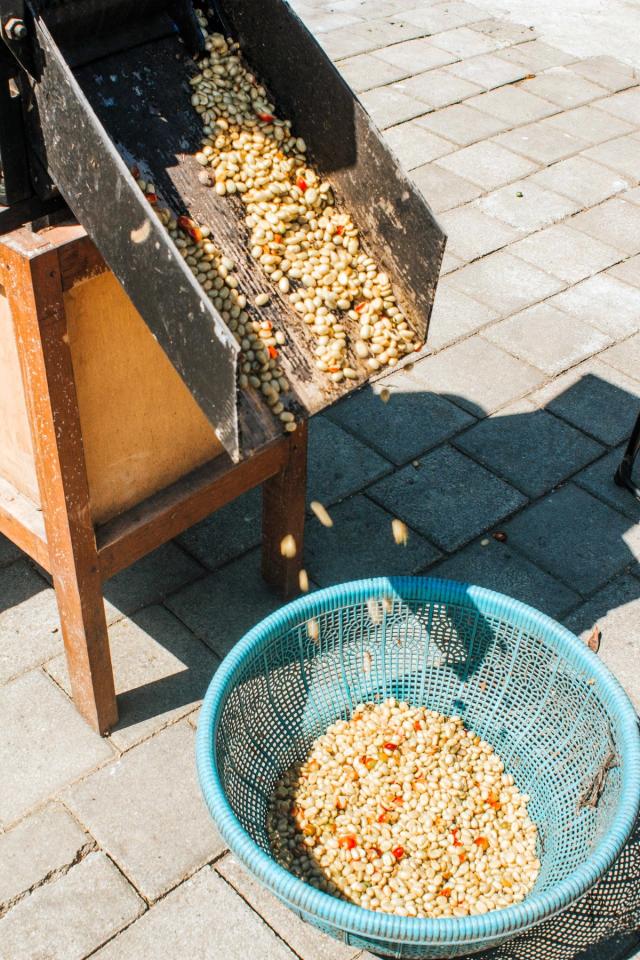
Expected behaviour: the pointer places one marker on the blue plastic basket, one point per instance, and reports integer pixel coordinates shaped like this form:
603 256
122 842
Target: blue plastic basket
552 711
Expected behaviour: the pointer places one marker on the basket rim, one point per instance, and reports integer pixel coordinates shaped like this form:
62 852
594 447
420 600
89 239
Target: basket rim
365 923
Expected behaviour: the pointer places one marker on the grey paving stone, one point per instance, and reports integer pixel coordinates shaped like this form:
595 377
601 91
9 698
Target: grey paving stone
8 552
146 812
443 16
477 375
590 124
513 105
448 497
227 533
527 206
582 180
505 31
471 233
436 88
413 145
449 264
464 42
622 155
632 195
487 164
345 42
505 283
536 55
607 72
609 304
568 254
455 316
530 448
204 919
461 124
42 733
563 87
370 9
415 56
29 624
223 606
73 915
307 942
383 32
366 71
616 610
384 426
614 222
361 544
595 398
598 479
442 189
628 271
625 105
541 142
498 567
625 356
547 338
321 22
149 580
36 848
388 106
339 465
575 537
488 70
161 672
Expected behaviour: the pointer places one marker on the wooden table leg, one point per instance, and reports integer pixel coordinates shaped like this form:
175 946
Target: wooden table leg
37 306
283 510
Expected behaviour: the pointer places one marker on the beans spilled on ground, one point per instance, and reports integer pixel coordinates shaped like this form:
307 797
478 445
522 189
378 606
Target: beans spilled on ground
309 249
403 810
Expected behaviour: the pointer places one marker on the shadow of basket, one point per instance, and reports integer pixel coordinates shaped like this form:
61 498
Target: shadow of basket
603 925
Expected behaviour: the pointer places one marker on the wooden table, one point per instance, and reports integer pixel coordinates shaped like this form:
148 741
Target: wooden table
104 454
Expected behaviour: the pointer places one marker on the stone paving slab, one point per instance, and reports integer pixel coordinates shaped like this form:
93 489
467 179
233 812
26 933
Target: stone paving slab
541 142
227 533
146 812
615 222
616 610
461 124
36 849
219 610
487 164
497 566
608 303
8 552
455 316
161 673
447 497
361 544
528 206
581 179
43 733
204 919
547 338
29 624
629 271
553 533
442 189
598 479
520 283
621 155
547 248
415 146
596 398
149 580
339 465
381 424
471 233
307 942
477 375
625 356
528 447
70 917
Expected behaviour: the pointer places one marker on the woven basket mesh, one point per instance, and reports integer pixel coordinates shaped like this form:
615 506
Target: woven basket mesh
545 715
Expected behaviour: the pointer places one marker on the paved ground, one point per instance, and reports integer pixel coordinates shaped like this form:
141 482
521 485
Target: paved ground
532 160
